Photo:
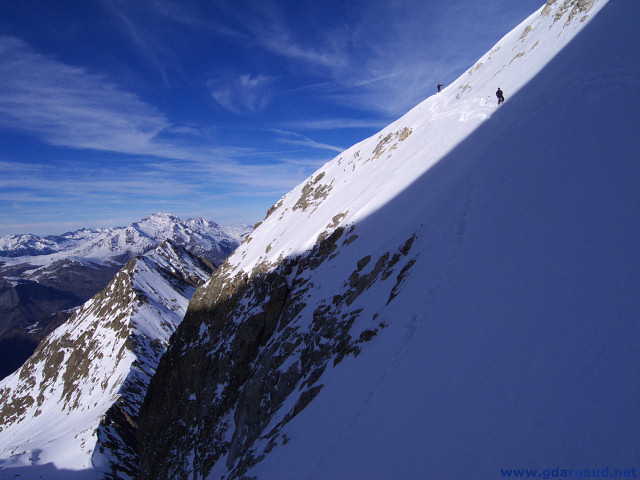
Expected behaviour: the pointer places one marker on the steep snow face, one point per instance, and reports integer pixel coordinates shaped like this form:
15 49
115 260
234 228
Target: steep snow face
73 403
370 174
454 296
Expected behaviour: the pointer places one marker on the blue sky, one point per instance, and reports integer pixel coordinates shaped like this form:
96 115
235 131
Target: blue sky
114 109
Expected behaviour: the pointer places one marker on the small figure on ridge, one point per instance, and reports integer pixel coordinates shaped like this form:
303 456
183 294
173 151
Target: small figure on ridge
439 87
500 96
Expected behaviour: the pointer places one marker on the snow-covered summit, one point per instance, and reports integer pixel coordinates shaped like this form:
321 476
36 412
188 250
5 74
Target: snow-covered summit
27 244
107 244
70 268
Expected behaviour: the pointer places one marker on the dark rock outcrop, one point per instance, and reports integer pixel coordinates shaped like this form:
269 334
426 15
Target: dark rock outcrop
248 343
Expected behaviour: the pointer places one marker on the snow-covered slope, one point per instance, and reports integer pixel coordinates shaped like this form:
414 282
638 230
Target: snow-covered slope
454 296
72 404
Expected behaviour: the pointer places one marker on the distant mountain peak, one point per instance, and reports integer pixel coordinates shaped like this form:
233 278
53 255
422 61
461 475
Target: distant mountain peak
204 235
159 218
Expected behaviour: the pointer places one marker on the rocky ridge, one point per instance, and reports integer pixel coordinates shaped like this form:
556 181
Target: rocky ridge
83 386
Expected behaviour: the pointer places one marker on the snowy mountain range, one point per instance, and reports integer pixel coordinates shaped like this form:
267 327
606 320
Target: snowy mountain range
454 297
200 235
42 279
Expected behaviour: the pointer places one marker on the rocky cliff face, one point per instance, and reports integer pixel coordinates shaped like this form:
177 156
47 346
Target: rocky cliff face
81 390
423 244
251 354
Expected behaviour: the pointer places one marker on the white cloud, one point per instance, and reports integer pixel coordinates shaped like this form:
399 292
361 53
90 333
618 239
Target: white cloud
337 124
242 94
294 138
279 41
69 106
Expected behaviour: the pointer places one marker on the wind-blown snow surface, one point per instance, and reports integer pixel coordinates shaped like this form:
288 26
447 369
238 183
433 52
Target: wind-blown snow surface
59 410
499 320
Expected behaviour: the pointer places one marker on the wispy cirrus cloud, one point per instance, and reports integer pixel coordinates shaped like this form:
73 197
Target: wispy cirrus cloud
267 23
69 106
372 62
294 138
242 94
146 23
279 41
337 124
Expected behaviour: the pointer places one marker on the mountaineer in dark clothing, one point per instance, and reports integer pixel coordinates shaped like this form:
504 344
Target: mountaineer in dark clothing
500 96
439 87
